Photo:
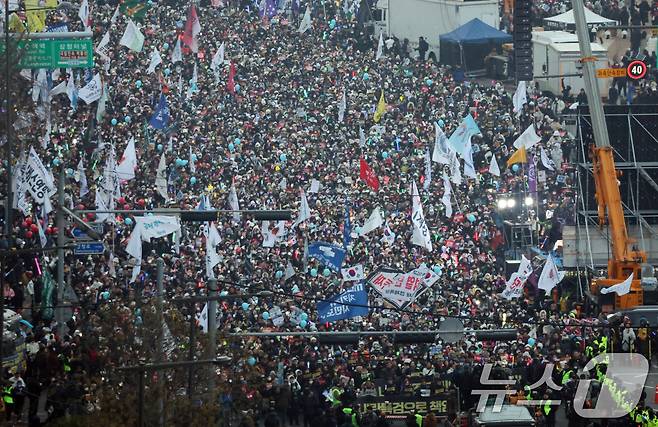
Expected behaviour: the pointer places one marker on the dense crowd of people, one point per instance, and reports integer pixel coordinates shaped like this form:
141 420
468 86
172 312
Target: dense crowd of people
267 123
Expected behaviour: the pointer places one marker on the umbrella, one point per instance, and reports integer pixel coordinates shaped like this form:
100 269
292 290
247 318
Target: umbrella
26 323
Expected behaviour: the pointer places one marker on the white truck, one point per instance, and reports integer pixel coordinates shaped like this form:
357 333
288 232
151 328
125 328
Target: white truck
557 53
411 19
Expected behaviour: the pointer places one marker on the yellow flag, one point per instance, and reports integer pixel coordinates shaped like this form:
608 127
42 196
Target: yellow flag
381 108
36 16
15 24
36 21
519 156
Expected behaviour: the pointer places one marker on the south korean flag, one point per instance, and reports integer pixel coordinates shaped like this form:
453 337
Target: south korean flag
352 274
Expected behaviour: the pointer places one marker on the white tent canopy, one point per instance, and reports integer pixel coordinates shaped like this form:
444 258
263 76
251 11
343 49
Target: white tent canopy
566 19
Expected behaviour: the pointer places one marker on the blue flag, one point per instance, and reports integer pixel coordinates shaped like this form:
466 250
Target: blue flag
330 255
347 226
462 135
351 303
160 117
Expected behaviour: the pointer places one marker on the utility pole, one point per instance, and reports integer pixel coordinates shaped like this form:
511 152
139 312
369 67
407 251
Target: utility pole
589 75
212 334
7 107
61 241
160 343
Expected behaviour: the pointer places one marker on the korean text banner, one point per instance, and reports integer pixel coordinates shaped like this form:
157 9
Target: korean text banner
334 310
330 255
397 287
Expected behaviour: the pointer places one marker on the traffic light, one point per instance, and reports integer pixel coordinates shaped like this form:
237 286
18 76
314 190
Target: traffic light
523 40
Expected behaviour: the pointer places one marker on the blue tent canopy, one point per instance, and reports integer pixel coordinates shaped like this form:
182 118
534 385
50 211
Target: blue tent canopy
468 45
475 32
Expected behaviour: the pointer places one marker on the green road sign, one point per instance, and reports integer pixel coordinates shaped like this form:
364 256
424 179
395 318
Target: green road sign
72 53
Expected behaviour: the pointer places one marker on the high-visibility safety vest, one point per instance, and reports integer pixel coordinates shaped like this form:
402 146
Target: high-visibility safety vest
419 420
603 344
335 395
7 395
547 407
350 413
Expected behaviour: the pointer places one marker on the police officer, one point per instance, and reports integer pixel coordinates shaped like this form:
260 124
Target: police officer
8 399
352 416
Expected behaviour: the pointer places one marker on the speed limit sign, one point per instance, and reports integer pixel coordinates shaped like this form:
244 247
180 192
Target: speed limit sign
636 70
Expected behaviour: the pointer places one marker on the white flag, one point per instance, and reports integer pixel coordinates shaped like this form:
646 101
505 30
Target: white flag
57 90
72 91
441 147
126 168
520 97
156 60
447 195
389 235
92 90
375 221
514 286
84 188
353 274
528 138
177 54
212 257
217 60
36 179
421 233
315 186
202 318
362 137
234 203
493 166
621 288
161 178
83 13
101 48
168 342
134 246
191 162
19 186
42 236
455 173
100 107
469 168
40 85
546 161
115 15
132 38
380 47
304 211
525 267
550 276
428 170
290 271
305 25
342 107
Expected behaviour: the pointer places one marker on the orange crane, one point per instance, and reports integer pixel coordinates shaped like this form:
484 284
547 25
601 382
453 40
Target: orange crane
625 259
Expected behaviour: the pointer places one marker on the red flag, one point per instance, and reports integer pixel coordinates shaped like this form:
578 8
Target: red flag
368 175
192 28
230 85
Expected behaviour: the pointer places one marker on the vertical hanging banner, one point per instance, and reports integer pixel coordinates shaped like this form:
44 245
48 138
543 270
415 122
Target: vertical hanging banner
36 179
